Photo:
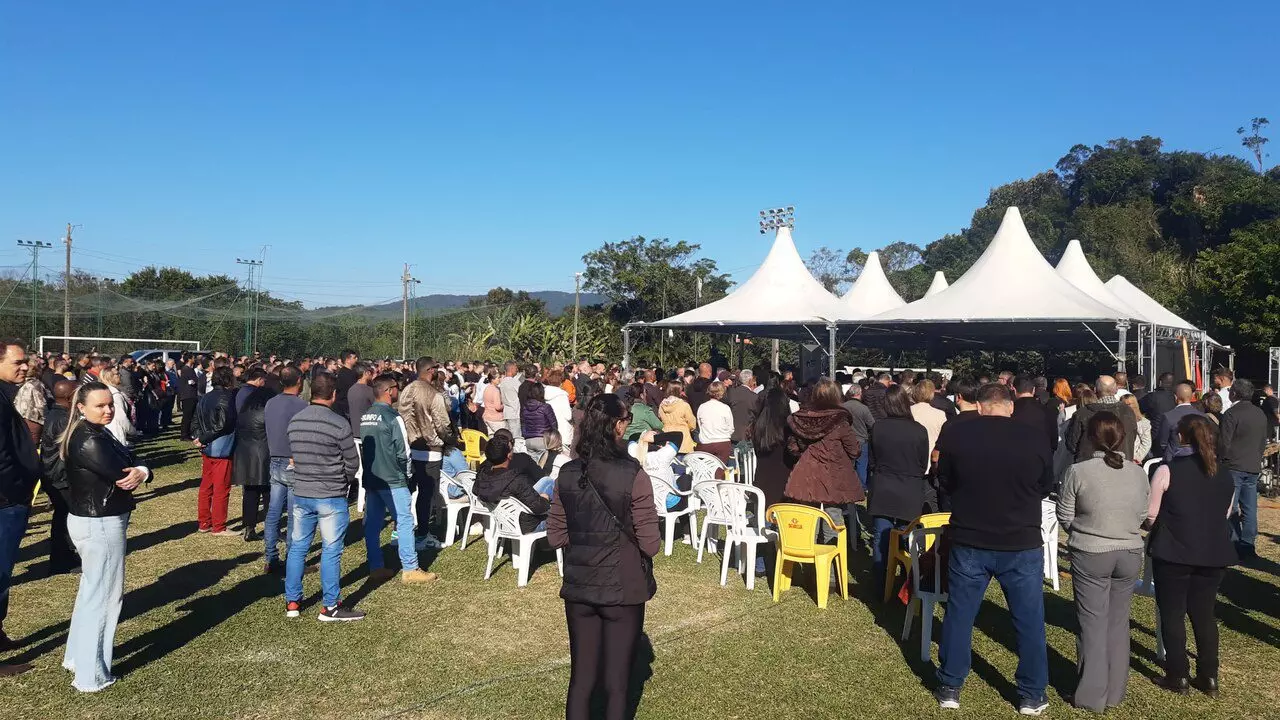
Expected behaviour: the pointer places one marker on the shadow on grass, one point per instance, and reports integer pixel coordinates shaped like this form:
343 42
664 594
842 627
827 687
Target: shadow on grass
146 540
168 489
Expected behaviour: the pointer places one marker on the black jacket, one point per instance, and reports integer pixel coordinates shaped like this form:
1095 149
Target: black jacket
899 459
1077 435
187 383
941 402
251 463
19 467
1192 527
1243 437
873 398
95 461
1031 411
496 484
1153 406
215 416
54 470
744 405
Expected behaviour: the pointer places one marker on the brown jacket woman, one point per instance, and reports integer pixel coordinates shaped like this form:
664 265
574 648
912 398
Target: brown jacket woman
823 448
677 416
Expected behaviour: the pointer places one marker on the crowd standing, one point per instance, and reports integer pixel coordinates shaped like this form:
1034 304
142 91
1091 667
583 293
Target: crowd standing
593 452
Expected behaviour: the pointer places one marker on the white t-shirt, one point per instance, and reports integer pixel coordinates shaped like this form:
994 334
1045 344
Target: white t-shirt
715 422
1225 394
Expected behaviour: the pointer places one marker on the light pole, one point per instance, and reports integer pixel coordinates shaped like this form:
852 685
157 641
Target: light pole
772 219
577 285
35 248
250 313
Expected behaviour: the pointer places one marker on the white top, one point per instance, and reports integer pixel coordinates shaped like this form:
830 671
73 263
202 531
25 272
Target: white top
657 463
1225 394
715 422
120 427
932 419
558 399
478 396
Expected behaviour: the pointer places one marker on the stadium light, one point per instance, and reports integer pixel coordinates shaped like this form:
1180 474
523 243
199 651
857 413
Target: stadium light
774 218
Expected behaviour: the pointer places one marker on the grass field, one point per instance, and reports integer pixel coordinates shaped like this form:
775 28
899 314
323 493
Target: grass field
203 635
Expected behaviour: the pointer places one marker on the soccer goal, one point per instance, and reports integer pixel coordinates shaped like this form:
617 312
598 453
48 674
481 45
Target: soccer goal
124 344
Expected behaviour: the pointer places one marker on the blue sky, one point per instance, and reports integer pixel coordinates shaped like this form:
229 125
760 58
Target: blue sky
495 143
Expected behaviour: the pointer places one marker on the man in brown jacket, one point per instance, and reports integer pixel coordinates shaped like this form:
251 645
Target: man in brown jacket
426 422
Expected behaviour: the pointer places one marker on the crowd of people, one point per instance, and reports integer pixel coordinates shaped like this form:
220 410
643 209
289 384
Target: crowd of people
593 451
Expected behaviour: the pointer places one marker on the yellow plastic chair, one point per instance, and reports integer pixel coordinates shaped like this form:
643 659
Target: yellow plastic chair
896 554
471 440
797 543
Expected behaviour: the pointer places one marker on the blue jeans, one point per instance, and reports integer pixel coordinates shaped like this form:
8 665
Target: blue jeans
860 465
13 525
880 528
100 542
545 486
1020 575
330 516
281 501
1244 522
376 503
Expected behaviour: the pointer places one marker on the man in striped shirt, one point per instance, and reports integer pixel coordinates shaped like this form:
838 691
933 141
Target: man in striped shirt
324 465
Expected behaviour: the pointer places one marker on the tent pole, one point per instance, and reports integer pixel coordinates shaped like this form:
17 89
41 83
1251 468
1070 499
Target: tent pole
626 348
831 350
1123 328
1155 365
1142 355
774 357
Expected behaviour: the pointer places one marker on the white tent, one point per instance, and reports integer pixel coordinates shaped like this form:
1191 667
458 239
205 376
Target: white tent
1010 283
938 285
780 299
871 293
1153 311
1074 266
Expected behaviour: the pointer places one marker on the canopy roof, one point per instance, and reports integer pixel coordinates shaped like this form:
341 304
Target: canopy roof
781 292
938 285
1010 282
1152 311
1074 266
871 293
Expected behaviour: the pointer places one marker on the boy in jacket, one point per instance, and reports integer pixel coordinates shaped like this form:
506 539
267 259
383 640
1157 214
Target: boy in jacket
384 450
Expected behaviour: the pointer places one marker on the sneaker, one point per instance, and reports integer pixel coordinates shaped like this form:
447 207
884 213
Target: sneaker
948 697
204 530
338 613
395 534
227 534
428 542
1033 706
292 609
417 576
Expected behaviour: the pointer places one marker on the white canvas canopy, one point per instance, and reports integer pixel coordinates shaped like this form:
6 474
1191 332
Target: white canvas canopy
1010 282
1074 266
871 293
782 292
938 285
1153 311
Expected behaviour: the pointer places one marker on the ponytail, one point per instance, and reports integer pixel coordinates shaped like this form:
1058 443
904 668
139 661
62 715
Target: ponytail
1202 436
77 417
1106 432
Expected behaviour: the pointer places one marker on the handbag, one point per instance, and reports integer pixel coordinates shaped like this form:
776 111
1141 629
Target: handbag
646 562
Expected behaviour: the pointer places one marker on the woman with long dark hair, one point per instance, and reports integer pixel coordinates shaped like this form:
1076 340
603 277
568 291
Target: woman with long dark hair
101 476
1102 505
899 461
603 516
1190 545
768 437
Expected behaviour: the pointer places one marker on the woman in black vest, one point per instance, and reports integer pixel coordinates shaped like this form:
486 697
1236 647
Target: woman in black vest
603 516
1190 545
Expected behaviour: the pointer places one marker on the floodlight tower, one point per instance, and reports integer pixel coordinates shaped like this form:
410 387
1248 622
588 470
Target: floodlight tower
772 219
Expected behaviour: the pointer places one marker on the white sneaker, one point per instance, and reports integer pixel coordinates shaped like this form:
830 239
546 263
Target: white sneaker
428 543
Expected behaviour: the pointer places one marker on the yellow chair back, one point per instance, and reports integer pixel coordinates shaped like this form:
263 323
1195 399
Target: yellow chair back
471 440
798 528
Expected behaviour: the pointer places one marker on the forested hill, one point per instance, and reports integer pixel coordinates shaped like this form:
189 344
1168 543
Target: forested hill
554 301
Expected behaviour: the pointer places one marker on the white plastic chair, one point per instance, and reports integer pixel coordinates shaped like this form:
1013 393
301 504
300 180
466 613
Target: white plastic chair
703 466
506 526
746 466
1049 536
476 508
453 507
671 517
741 530
709 497
925 599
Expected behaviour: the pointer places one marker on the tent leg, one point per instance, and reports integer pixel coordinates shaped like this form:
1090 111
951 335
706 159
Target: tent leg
774 358
626 348
831 351
1123 328
1142 355
1155 365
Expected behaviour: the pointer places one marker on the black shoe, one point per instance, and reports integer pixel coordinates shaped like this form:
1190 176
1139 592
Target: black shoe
340 614
1208 686
948 697
1178 685
250 535
1033 706
7 643
275 567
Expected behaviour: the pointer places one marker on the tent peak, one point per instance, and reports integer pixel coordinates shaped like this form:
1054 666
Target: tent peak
871 294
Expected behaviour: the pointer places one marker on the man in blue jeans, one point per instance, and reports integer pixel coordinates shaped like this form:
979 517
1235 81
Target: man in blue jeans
19 469
324 465
996 472
277 415
384 445
1241 441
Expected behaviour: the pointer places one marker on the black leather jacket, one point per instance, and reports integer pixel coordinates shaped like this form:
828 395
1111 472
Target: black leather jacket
95 461
215 415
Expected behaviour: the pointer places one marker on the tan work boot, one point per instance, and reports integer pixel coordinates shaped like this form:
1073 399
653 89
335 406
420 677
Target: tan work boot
418 576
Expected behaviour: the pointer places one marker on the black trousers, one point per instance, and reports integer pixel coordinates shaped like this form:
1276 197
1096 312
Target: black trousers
1183 590
188 412
426 480
602 645
253 504
62 554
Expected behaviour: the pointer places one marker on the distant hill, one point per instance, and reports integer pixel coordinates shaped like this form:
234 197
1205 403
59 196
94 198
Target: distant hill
556 301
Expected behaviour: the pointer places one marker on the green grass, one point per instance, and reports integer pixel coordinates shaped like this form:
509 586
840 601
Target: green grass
204 635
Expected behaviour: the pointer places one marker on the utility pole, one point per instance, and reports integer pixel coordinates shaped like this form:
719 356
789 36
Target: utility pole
250 319
697 301
35 248
577 286
406 281
66 298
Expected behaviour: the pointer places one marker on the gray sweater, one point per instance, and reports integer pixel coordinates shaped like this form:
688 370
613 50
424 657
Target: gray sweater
324 453
1102 508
